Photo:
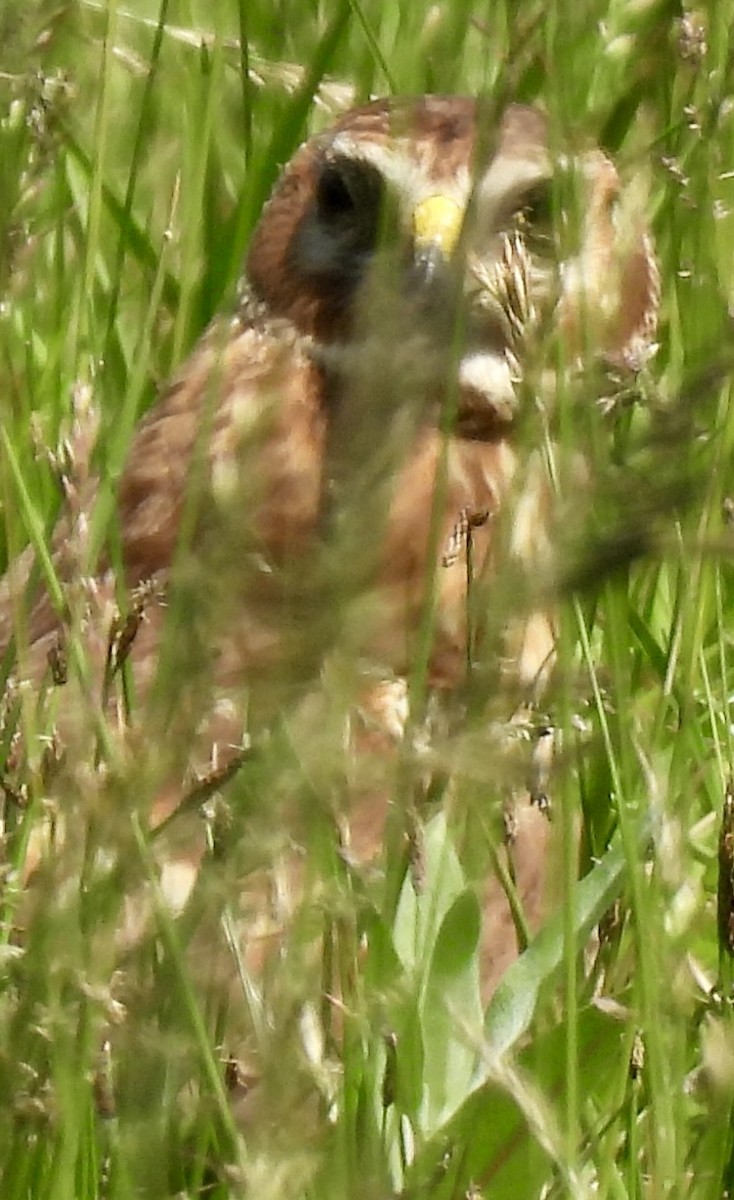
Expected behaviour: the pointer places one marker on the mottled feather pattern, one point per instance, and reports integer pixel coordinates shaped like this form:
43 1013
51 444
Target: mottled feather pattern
321 406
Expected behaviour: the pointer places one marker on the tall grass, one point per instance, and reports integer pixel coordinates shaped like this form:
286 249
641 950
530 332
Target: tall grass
138 143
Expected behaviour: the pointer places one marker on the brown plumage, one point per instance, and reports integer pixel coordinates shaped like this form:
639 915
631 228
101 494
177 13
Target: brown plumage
403 262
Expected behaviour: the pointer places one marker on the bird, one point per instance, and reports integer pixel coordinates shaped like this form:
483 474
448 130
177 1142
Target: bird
305 494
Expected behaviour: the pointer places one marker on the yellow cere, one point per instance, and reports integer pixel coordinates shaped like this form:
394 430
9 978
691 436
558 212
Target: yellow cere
437 222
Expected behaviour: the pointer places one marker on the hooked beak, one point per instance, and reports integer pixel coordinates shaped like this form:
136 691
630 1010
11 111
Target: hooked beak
437 224
486 390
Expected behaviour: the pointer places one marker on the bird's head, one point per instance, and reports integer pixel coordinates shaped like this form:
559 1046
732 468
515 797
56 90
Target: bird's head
417 238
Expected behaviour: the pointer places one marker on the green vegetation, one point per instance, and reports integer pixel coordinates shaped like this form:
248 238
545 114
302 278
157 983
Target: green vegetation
138 143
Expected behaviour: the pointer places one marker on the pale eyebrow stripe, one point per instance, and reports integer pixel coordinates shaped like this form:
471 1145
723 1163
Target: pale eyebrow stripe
402 170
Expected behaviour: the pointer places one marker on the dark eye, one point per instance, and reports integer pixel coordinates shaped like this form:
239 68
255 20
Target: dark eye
533 218
334 196
342 225
536 209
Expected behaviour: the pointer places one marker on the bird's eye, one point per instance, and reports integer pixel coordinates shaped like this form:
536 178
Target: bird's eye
533 218
342 226
536 209
334 196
